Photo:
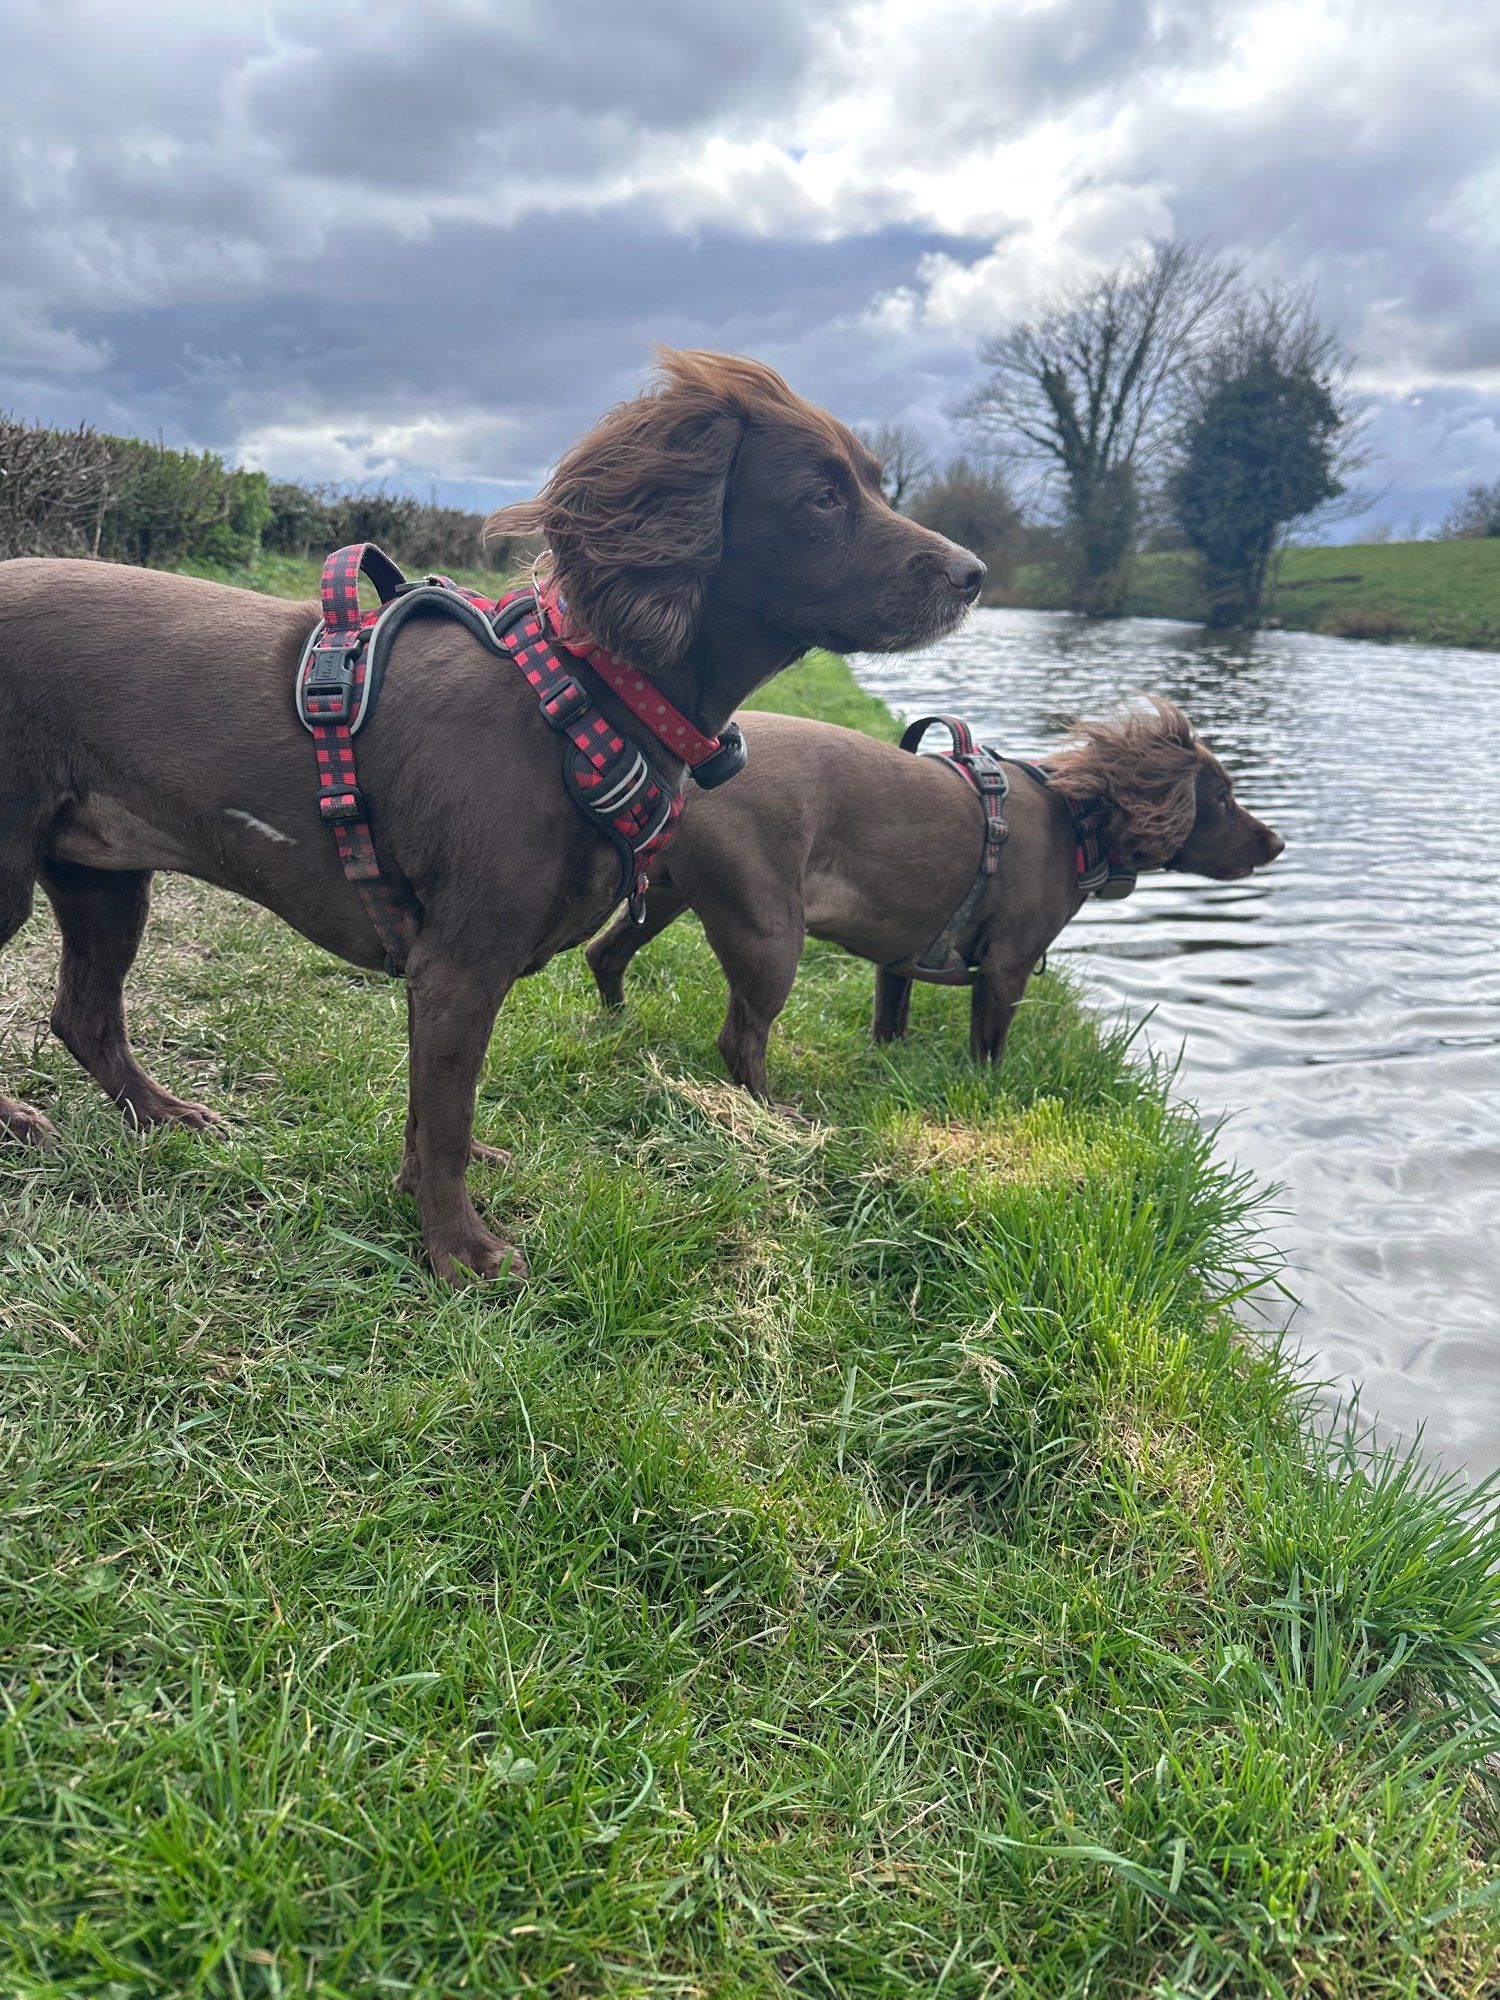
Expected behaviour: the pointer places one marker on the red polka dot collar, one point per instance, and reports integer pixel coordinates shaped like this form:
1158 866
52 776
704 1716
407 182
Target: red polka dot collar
645 701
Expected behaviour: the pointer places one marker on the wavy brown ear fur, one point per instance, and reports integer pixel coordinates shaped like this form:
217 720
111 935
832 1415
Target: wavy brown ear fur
1145 767
633 514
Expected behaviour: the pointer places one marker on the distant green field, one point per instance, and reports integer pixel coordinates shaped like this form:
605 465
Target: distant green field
1434 593
298 576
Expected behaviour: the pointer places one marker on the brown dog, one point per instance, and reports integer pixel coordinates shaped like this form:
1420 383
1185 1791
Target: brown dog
709 532
838 835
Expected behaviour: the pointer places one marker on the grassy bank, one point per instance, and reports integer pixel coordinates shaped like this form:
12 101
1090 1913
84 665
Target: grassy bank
1431 593
863 1561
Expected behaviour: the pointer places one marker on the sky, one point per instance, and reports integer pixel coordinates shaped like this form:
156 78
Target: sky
427 244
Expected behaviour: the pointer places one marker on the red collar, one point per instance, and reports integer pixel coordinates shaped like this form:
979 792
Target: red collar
646 702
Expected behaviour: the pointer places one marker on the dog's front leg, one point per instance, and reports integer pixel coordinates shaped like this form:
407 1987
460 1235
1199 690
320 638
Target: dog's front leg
892 1005
451 1008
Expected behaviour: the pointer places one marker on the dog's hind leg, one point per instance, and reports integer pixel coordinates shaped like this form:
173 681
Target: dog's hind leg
611 952
994 998
102 915
892 1005
19 1123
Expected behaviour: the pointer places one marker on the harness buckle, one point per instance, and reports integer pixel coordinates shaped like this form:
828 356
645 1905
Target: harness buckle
565 703
327 691
729 758
339 805
1118 883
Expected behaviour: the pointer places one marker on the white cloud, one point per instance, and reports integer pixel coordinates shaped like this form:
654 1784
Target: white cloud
347 447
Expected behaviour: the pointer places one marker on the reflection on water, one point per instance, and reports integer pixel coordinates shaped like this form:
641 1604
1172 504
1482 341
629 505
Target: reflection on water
1343 1009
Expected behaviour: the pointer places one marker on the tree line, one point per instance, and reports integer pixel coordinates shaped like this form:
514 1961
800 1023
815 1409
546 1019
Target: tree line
86 493
1165 404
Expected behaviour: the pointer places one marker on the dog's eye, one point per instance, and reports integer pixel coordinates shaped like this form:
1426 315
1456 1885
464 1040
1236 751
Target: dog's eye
826 499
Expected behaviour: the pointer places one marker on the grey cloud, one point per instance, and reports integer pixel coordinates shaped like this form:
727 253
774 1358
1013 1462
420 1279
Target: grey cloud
230 223
543 324
1353 189
983 74
445 95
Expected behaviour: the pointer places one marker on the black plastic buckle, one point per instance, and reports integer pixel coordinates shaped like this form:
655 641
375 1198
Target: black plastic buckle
1091 880
565 702
339 805
330 674
1118 883
726 762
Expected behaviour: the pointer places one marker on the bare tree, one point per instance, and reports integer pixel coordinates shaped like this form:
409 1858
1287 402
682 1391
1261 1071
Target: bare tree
55 487
1086 393
905 460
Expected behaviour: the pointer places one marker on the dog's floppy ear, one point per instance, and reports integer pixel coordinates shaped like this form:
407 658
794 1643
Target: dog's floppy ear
1145 767
633 515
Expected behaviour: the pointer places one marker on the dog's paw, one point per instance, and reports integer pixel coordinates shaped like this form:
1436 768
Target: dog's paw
166 1110
21 1126
490 1156
480 1256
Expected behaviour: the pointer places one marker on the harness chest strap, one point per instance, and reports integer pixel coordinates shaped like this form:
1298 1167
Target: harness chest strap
334 689
1099 874
711 759
612 781
942 963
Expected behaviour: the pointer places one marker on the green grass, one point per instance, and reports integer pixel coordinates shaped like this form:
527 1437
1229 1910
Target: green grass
299 576
865 1559
1431 593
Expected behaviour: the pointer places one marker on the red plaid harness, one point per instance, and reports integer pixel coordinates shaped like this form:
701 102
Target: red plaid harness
613 782
1099 874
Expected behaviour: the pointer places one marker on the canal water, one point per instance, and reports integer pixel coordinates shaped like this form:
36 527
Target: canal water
1338 1017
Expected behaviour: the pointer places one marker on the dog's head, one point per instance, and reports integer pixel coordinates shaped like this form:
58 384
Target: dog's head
720 496
1171 802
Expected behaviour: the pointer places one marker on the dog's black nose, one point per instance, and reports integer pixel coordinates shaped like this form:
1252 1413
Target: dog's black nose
965 573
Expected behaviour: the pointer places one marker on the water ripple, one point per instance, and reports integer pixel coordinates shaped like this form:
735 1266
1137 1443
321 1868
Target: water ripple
1338 1017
